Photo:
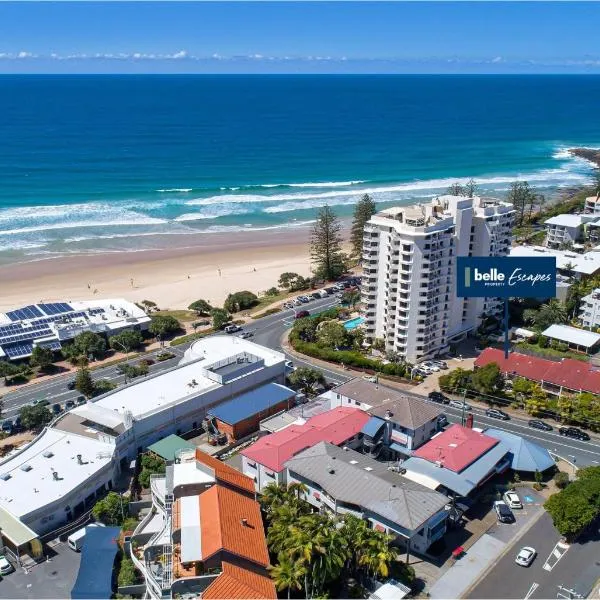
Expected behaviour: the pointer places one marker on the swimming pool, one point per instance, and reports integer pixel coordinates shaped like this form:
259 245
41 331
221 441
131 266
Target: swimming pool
354 323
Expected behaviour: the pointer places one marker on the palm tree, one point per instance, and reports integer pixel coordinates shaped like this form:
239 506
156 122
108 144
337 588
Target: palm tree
287 574
274 495
351 298
378 554
297 489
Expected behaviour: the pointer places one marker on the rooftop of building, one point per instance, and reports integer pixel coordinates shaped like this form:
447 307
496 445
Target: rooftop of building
357 479
334 426
224 473
585 264
455 448
170 446
236 583
48 468
525 454
572 335
568 220
252 403
569 373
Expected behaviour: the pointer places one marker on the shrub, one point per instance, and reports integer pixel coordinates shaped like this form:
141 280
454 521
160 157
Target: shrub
543 341
561 480
273 291
538 487
240 301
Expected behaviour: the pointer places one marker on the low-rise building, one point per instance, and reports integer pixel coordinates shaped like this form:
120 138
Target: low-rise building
51 324
568 263
589 310
592 205
566 229
264 461
342 481
204 537
580 340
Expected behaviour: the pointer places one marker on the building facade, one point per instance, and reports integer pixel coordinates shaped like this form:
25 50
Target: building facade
589 310
565 229
409 281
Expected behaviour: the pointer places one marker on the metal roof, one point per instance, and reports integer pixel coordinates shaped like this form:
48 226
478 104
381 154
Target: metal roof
16 531
251 403
351 477
526 455
572 335
169 446
373 426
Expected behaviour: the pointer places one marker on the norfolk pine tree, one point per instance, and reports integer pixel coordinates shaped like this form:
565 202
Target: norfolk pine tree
326 245
364 210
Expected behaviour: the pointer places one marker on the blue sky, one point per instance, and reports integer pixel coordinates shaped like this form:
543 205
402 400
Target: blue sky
311 37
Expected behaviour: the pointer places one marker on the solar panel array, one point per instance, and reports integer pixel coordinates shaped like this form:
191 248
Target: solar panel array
96 311
27 312
54 345
55 308
18 350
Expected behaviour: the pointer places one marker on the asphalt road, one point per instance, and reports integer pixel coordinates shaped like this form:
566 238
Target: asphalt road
268 331
577 569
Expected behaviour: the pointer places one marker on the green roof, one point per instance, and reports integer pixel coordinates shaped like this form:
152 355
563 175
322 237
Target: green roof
16 531
169 446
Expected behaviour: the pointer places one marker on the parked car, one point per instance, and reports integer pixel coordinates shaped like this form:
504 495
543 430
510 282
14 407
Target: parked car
301 314
5 566
330 290
496 413
289 365
537 424
297 302
438 397
503 512
7 427
316 295
304 299
71 385
56 409
526 556
81 400
232 329
512 499
323 293
288 305
574 433
442 364
246 334
460 405
69 404
17 426
370 378
430 365
442 421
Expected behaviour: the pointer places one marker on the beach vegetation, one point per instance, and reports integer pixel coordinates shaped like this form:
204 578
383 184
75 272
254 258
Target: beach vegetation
41 357
149 306
163 325
468 190
84 383
220 318
113 509
126 341
293 282
307 380
200 307
272 292
525 199
239 301
86 345
35 417
365 208
326 245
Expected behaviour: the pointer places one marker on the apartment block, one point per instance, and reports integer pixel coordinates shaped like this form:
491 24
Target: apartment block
566 229
409 282
592 204
589 310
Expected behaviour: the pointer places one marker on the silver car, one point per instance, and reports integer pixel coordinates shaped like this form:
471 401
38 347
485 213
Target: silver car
460 405
526 556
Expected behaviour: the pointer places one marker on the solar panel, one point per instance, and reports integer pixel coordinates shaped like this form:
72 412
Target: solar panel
18 350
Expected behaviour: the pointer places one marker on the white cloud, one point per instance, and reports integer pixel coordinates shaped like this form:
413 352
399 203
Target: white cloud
498 59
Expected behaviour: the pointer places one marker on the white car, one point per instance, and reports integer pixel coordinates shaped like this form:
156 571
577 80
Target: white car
371 378
430 365
289 365
460 405
512 499
5 566
288 305
526 556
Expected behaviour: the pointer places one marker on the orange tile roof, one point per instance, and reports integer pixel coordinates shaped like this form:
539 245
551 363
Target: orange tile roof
221 526
225 473
236 583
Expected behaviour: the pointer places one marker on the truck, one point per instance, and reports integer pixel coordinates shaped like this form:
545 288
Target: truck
75 540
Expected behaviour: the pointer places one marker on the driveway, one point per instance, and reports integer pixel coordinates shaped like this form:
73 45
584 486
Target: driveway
430 383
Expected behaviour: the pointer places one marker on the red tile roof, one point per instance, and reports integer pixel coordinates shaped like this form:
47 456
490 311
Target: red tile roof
456 448
223 472
236 583
572 374
334 426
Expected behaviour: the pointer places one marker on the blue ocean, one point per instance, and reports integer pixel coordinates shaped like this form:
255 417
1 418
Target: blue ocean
100 163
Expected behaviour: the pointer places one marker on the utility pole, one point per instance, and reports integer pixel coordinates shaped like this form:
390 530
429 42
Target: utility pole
462 413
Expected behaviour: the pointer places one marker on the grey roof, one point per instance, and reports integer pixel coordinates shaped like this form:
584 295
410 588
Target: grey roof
351 477
526 455
467 480
407 410
572 335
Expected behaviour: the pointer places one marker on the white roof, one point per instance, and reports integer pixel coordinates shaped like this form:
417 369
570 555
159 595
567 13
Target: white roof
428 482
572 335
190 471
522 332
567 220
390 591
99 414
587 263
29 490
191 541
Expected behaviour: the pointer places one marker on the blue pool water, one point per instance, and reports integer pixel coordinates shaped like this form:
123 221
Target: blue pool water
354 323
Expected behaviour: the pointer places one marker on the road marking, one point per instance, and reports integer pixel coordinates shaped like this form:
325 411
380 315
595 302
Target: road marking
557 553
534 586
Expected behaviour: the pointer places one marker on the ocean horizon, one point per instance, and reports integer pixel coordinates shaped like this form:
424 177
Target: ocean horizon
94 163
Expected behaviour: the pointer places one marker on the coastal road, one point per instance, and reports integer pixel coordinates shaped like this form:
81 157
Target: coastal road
575 567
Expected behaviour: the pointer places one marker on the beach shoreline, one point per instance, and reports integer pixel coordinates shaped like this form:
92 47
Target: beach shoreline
173 278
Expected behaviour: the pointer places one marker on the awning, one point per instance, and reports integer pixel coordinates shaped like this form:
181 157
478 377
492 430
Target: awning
373 426
428 482
13 529
402 449
191 546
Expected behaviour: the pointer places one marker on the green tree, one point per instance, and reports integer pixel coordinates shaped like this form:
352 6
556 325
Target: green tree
149 306
201 307
126 341
84 345
240 301
163 325
456 380
326 245
151 465
351 298
84 383
524 198
536 402
456 189
127 573
35 417
8 370
293 282
287 574
363 211
306 329
307 379
272 291
220 318
113 509
470 188
488 379
331 334
42 357
561 479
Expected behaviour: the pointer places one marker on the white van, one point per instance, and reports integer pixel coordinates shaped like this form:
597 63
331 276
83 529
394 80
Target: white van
75 540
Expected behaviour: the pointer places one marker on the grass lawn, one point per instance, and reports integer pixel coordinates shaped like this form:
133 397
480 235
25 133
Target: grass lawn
551 352
184 316
267 300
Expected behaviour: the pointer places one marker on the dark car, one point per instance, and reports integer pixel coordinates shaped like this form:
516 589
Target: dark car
56 409
302 313
496 413
574 433
17 426
81 400
442 421
503 512
438 397
536 424
330 290
316 295
71 385
69 404
7 427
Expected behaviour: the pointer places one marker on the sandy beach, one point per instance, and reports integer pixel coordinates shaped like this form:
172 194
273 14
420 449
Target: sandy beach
213 267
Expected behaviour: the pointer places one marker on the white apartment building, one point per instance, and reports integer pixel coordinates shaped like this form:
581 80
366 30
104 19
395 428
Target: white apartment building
566 229
592 204
589 310
409 282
